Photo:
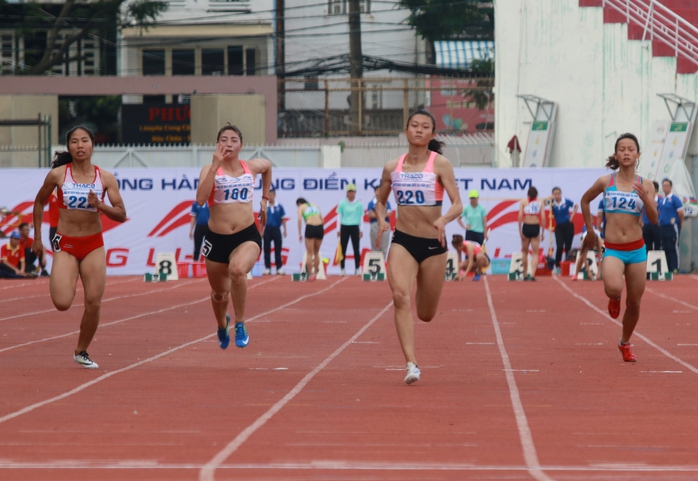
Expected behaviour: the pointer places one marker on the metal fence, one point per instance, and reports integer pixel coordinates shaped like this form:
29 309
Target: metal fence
38 155
467 151
311 107
462 151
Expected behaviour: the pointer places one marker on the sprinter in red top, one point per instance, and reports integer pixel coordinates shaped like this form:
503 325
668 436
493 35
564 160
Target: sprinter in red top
78 247
418 251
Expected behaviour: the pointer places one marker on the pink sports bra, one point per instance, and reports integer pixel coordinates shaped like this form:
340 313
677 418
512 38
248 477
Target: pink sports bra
417 188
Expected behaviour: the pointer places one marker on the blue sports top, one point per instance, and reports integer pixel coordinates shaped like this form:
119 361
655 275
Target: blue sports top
619 202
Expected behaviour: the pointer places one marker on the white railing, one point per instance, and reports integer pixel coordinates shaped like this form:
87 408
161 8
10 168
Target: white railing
661 24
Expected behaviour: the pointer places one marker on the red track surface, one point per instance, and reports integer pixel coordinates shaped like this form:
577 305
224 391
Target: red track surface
519 381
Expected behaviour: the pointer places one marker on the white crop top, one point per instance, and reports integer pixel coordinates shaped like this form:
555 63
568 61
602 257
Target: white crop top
73 195
229 190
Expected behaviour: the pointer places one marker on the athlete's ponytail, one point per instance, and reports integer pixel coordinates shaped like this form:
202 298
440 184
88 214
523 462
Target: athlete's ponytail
612 163
434 145
63 158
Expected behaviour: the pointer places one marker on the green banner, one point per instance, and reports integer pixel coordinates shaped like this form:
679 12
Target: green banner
678 127
539 125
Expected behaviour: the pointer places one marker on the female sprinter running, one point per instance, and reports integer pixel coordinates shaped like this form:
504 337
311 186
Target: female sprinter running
530 222
625 195
418 250
314 232
232 243
78 246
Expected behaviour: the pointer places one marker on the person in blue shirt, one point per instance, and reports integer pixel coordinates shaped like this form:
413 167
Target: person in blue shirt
198 226
650 232
371 213
272 233
564 211
670 220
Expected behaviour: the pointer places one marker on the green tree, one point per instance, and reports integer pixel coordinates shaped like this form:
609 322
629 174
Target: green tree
80 19
483 91
446 19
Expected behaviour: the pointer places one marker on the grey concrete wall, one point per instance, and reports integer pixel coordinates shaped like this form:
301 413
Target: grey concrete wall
264 86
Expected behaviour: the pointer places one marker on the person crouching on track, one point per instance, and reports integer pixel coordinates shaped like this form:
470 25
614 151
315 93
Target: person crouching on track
418 250
232 243
78 246
476 259
625 195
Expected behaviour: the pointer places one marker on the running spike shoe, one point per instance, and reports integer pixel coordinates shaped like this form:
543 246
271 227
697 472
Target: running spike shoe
413 373
224 334
241 336
84 360
627 353
614 307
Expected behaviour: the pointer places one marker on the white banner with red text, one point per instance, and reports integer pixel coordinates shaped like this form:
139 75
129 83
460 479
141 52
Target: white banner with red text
158 203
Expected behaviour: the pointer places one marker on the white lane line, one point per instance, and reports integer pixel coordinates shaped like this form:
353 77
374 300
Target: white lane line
636 333
694 277
43 281
209 469
119 321
339 465
125 296
82 387
79 289
669 298
529 448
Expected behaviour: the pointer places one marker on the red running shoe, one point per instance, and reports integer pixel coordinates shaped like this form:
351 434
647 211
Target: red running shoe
614 307
627 353
312 278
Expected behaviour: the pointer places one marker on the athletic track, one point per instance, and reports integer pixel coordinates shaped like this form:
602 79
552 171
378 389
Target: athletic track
519 381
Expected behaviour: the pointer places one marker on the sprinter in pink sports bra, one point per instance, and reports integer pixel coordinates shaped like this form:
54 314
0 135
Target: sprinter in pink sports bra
78 247
418 251
233 242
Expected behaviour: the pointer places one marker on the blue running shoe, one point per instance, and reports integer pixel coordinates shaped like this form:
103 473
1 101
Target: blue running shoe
476 277
241 336
224 334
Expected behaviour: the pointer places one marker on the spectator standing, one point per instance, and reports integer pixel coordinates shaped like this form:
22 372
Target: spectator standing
314 233
351 212
12 258
26 243
670 220
564 228
475 219
373 219
530 229
200 214
650 232
272 233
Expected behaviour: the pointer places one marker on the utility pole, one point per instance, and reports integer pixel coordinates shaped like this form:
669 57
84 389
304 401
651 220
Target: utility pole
356 67
280 60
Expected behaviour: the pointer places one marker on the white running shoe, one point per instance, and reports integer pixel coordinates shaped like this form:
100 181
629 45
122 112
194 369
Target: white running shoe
343 273
266 272
413 373
84 360
357 272
280 272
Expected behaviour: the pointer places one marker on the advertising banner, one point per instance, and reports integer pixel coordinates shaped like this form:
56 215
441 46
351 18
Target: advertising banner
537 145
668 144
156 124
158 204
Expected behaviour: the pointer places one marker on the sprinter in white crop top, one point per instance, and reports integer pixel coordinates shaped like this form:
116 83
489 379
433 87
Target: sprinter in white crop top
418 251
233 241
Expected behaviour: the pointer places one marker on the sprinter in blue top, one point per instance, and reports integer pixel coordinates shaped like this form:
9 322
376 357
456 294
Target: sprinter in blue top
625 195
